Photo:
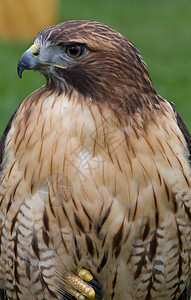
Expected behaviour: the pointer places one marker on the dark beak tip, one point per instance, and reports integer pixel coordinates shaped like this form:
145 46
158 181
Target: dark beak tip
19 71
21 66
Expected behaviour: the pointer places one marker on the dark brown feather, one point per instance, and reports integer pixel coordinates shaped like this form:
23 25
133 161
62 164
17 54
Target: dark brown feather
182 127
3 138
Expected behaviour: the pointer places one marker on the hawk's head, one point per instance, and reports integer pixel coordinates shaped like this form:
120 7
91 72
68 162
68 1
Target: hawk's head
90 58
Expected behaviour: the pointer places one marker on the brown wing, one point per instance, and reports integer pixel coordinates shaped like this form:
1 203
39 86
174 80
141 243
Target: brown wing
2 146
2 140
187 292
182 127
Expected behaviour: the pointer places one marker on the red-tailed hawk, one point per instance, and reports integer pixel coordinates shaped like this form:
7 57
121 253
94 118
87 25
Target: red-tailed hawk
95 175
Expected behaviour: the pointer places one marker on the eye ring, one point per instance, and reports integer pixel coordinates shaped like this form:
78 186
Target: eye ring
74 50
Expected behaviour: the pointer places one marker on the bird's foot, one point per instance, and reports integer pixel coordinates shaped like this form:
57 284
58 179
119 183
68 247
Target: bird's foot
92 282
84 286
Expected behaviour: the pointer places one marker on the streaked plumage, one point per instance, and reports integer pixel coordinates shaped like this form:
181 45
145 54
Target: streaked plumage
95 174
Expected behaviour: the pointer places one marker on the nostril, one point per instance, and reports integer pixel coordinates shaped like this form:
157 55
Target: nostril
35 53
35 49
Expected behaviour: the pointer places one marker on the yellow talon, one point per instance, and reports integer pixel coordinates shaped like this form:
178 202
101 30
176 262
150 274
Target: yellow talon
91 294
80 289
85 275
76 294
81 297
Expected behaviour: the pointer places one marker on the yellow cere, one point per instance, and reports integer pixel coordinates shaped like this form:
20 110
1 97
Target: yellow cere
35 49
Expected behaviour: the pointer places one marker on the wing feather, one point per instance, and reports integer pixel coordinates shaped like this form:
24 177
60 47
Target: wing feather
182 127
187 292
3 138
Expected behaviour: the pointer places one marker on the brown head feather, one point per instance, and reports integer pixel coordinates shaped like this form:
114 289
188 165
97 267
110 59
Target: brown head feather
112 72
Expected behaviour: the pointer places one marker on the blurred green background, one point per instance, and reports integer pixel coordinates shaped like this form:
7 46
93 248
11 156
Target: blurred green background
161 30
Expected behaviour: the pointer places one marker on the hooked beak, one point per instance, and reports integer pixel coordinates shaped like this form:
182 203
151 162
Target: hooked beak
28 60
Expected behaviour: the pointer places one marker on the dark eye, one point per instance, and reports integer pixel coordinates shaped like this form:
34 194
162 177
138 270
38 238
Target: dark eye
74 51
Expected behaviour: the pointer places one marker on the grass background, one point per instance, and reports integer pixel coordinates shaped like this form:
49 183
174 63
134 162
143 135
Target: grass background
159 29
